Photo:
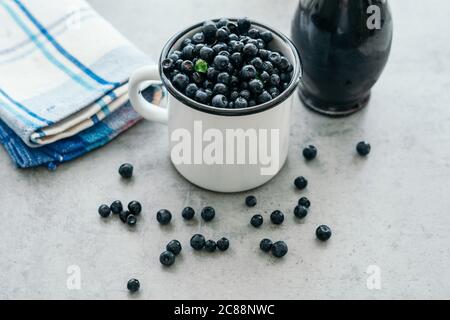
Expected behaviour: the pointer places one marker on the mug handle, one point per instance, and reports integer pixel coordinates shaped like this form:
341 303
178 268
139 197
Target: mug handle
142 78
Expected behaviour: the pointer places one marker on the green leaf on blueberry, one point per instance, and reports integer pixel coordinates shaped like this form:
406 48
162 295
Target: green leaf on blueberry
201 66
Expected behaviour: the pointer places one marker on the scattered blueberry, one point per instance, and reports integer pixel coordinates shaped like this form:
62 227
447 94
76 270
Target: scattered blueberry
250 201
126 170
131 220
363 148
279 249
301 183
210 246
135 208
174 246
257 221
116 207
133 285
310 152
198 242
301 212
167 258
266 245
104 211
323 233
223 244
304 202
208 213
277 217
164 216
188 213
124 215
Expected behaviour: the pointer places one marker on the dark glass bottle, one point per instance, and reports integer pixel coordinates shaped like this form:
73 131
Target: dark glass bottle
344 46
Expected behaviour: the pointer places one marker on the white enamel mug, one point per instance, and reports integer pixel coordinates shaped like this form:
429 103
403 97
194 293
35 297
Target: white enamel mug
222 150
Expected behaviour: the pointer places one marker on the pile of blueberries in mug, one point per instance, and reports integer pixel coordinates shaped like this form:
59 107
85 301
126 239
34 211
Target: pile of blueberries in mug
198 242
228 64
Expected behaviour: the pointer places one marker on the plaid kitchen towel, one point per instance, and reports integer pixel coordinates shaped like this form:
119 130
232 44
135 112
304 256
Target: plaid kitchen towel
63 80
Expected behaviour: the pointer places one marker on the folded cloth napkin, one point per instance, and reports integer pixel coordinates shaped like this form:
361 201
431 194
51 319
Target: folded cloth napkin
63 80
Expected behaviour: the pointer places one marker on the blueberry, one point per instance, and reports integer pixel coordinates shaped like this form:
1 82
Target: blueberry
220 47
323 233
240 103
250 201
300 212
274 92
244 25
236 59
253 33
116 207
222 23
191 90
224 78
212 73
188 52
223 244
264 97
285 77
279 249
310 152
268 66
186 42
198 78
257 220
220 88
251 103
266 245
104 211
174 56
168 65
208 84
266 36
363 148
234 95
275 58
167 258
284 64
244 84
233 28
256 86
250 50
232 36
263 54
206 53
301 183
208 213
237 46
198 38
209 29
124 215
234 82
277 217
222 34
131 220
164 216
209 93
126 170
210 246
133 285
135 207
264 76
230 105
188 213
274 80
304 202
219 101
180 81
260 44
224 53
201 96
198 242
257 63
174 246
221 62
187 67
245 94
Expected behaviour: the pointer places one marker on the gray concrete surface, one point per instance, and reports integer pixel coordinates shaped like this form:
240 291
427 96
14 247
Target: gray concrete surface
390 210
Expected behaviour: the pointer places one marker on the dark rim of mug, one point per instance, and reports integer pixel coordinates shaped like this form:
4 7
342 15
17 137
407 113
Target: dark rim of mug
297 74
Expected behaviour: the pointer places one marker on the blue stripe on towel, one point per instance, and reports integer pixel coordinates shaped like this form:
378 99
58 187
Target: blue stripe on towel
71 58
23 108
23 119
44 50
